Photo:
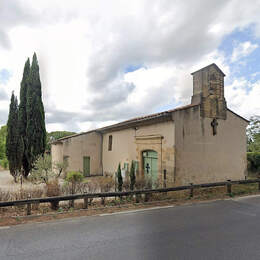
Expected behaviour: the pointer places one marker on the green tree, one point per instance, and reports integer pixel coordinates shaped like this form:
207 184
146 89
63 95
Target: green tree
119 178
14 147
35 127
22 116
52 136
3 133
253 134
42 171
132 176
74 178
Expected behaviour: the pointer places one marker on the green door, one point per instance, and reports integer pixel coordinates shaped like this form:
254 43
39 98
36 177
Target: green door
86 166
150 159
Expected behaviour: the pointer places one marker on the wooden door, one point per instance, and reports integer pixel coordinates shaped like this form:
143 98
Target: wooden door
150 159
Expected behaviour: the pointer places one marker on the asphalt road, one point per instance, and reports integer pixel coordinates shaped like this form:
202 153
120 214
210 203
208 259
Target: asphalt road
228 229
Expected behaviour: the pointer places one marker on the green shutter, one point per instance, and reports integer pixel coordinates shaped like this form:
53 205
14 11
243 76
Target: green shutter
86 166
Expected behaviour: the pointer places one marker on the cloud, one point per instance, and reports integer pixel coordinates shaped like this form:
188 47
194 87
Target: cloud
243 97
242 50
3 94
85 51
3 117
5 75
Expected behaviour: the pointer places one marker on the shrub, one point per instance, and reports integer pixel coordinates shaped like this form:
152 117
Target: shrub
42 171
4 163
119 178
106 183
52 190
140 182
253 159
126 184
74 177
132 176
5 195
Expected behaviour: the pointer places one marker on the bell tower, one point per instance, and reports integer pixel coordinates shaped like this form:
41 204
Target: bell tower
208 91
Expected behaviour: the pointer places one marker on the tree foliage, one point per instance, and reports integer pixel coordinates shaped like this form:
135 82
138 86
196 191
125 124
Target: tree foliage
3 133
42 171
119 178
3 159
253 134
132 176
14 146
253 144
35 127
22 114
52 136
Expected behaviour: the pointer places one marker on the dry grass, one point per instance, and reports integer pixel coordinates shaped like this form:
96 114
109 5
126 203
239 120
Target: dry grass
11 191
7 183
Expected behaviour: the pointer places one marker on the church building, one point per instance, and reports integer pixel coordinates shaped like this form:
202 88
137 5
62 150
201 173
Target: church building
198 143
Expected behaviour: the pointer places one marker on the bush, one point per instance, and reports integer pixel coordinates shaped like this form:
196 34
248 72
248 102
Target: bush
4 163
126 184
106 184
42 171
119 178
253 161
52 190
74 177
132 176
140 182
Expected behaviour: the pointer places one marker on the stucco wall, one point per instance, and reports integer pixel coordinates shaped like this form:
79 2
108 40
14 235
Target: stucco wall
126 147
57 152
202 157
76 148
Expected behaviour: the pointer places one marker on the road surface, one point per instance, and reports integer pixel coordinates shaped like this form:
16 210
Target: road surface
225 229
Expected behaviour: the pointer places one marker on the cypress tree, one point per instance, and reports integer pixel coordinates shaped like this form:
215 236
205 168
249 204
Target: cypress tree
132 176
14 147
35 128
22 116
119 178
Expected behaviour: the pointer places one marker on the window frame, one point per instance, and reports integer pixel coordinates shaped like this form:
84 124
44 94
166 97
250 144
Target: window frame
110 142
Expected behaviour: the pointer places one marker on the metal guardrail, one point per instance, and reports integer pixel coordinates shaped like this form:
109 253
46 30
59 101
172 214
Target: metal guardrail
87 196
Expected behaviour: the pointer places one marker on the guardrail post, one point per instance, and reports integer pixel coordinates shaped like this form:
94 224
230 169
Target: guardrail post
191 190
29 207
229 191
137 198
71 203
146 197
85 202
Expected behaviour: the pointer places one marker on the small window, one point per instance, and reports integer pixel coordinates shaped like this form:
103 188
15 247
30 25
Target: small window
110 139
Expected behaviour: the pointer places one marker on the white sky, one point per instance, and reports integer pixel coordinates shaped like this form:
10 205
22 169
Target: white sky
88 49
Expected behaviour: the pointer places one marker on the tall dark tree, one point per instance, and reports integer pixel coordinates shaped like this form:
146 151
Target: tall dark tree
22 116
35 128
119 178
14 147
132 176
